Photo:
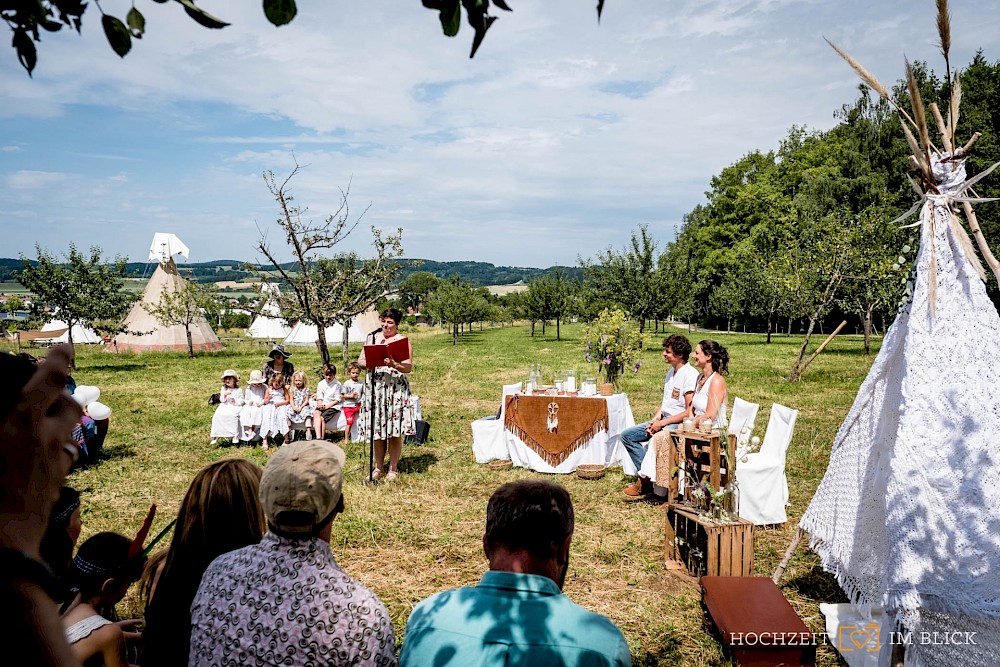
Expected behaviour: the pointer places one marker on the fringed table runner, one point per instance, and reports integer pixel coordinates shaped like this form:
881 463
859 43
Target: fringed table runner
579 420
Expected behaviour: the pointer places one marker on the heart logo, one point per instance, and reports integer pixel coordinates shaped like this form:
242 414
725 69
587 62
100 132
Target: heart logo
860 637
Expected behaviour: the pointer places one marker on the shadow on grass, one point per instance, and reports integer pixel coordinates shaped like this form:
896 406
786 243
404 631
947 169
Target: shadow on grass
115 452
113 368
819 585
419 463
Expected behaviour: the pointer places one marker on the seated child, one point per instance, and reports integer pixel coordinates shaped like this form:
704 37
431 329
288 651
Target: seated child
301 408
226 421
99 578
327 399
252 413
351 395
274 421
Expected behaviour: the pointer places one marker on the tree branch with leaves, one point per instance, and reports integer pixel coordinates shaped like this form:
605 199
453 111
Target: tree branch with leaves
327 291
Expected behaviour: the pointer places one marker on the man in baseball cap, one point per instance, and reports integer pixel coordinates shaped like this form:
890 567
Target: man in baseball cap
296 602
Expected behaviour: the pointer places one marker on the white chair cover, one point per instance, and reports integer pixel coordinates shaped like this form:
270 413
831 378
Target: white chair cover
742 422
761 475
489 441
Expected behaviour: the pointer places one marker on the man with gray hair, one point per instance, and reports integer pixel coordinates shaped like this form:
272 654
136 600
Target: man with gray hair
285 601
517 614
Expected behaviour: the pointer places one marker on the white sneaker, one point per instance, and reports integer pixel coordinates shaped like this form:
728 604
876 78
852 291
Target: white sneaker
309 434
236 439
213 441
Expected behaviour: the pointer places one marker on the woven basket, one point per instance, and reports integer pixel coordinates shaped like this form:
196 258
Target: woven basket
590 471
500 464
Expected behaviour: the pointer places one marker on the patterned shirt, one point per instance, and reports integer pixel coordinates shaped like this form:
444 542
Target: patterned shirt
287 602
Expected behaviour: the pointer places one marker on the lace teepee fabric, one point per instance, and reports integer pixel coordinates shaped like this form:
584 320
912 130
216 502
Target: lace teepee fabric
907 516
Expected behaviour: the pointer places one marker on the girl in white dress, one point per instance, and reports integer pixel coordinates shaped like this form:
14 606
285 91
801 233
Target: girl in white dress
301 407
711 392
252 414
274 421
226 421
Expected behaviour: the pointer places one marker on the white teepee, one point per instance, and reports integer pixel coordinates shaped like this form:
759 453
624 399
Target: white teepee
907 516
81 334
361 327
269 325
145 334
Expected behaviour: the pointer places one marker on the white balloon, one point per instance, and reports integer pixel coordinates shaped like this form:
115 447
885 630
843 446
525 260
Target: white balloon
98 411
86 394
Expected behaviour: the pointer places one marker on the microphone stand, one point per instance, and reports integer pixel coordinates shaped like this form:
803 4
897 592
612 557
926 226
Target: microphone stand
371 417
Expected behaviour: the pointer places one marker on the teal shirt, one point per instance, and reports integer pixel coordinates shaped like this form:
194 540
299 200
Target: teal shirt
510 619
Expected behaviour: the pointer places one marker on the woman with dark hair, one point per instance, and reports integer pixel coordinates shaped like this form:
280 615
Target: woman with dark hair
710 392
393 418
220 512
100 575
278 363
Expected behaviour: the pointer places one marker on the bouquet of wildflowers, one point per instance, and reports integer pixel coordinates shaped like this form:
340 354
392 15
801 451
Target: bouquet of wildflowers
613 342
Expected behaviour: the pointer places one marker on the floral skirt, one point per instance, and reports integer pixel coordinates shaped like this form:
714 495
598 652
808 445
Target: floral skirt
393 415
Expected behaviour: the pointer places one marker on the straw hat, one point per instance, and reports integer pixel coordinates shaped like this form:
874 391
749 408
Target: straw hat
256 377
230 373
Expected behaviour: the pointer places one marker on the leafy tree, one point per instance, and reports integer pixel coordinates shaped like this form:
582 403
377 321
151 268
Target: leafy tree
25 17
416 287
13 304
548 298
322 291
874 274
628 278
181 307
348 284
83 290
454 303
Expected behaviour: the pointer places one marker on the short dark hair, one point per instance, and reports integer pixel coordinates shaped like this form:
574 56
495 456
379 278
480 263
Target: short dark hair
679 345
530 515
394 314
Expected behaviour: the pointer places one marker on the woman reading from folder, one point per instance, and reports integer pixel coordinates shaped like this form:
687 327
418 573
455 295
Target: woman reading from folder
392 417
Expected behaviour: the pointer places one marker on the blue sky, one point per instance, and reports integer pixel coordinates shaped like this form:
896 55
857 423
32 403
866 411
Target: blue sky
556 141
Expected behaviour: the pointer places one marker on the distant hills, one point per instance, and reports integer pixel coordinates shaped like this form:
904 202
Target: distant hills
475 273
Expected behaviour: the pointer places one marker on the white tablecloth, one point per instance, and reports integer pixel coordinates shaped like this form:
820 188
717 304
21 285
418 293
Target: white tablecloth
605 447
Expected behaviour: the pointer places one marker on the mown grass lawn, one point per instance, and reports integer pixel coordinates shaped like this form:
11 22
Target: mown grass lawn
423 533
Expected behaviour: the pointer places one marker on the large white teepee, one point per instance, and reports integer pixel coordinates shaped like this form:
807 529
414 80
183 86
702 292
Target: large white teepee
308 334
149 334
907 516
269 325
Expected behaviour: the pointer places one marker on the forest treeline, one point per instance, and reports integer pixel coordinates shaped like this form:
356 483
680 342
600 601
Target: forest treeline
475 273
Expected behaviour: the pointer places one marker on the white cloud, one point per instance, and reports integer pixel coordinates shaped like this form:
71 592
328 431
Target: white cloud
555 141
33 180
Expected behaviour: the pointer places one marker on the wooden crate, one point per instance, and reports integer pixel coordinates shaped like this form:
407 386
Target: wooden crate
706 547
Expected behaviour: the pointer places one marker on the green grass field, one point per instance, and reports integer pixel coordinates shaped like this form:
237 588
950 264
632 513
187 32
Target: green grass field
423 533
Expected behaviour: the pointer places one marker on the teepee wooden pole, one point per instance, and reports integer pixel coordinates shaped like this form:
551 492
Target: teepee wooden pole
788 556
977 233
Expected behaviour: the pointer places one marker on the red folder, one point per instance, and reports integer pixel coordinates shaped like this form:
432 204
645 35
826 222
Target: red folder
375 355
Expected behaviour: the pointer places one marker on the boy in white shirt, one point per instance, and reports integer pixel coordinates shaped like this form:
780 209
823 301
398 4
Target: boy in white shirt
328 397
351 392
678 390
